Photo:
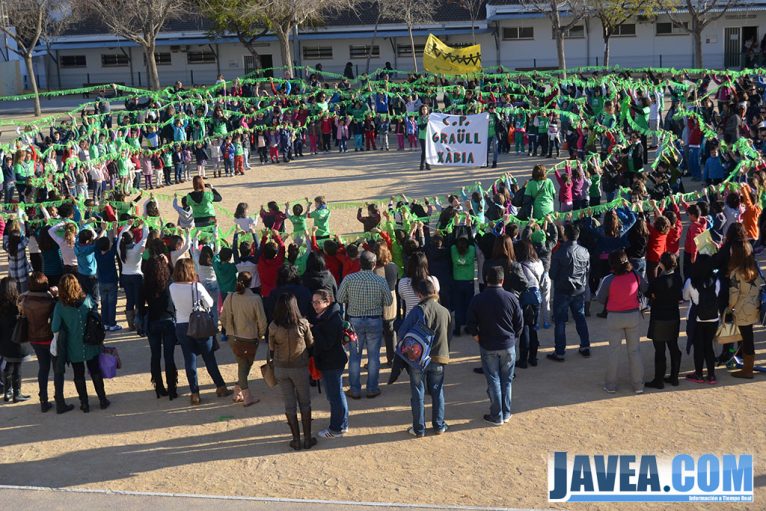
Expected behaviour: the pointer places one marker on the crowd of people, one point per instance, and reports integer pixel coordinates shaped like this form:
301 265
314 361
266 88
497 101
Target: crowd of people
610 229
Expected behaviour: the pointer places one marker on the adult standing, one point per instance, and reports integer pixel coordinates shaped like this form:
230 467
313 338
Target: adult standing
365 295
131 255
745 284
495 320
422 130
290 340
570 265
14 354
244 319
386 268
702 289
37 306
69 318
619 292
331 359
201 201
539 194
437 318
156 307
184 291
665 321
417 270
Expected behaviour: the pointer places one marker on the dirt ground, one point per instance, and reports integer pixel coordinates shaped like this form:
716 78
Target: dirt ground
144 444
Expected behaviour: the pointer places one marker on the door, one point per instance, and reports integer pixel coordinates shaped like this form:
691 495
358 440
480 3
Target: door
750 47
732 46
266 63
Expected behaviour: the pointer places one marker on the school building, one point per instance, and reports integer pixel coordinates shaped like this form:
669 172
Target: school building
511 34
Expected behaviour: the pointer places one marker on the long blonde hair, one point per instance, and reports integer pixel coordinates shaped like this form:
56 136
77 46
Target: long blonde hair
70 233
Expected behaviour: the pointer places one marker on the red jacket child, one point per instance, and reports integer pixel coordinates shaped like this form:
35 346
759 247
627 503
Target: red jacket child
270 260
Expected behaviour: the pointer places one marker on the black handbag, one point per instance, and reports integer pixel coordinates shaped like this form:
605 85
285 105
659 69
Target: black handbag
201 324
20 330
94 334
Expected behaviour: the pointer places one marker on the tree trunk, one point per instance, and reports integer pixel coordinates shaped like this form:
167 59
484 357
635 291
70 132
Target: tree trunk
606 49
372 43
284 50
473 30
151 68
556 22
412 47
33 82
697 37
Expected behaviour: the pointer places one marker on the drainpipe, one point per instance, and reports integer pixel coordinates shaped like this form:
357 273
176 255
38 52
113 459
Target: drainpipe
392 40
587 41
496 35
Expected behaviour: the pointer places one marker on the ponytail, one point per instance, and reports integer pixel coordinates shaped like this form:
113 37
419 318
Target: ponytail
125 240
243 281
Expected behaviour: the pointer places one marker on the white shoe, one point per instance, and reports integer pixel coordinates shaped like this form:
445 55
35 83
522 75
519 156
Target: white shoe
326 433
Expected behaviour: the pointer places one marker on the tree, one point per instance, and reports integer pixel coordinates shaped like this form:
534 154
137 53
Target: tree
613 13
28 23
283 17
414 12
139 21
384 10
233 17
575 10
474 8
701 13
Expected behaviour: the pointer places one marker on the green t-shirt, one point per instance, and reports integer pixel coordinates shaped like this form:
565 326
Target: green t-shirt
123 167
204 208
542 193
642 118
321 219
597 104
226 274
595 188
238 149
299 224
463 264
542 125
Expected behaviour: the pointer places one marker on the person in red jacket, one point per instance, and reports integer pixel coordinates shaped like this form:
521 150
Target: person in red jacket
349 258
751 214
673 214
330 251
271 258
326 126
697 225
657 245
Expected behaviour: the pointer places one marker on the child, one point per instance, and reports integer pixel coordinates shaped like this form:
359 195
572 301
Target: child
372 220
157 166
272 217
147 170
262 148
411 129
246 260
349 258
553 136
188 159
201 156
399 130
357 129
594 190
227 155
85 250
185 213
579 188
657 244
565 189
273 141
382 129
342 134
321 217
369 134
272 257
314 134
215 149
225 269
697 225
285 144
178 164
298 219
239 156
106 271
299 139
167 165
242 219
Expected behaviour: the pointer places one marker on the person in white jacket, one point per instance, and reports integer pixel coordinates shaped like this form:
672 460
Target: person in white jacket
131 254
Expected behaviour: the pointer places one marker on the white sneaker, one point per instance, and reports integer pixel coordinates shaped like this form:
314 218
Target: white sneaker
326 433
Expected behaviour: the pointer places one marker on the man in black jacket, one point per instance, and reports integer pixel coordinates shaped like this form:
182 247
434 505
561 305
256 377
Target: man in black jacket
495 320
570 265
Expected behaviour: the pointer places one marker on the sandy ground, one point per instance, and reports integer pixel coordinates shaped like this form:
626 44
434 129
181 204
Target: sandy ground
144 444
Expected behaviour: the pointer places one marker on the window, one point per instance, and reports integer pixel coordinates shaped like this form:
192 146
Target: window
72 61
317 52
362 51
404 50
162 59
515 33
575 32
672 28
625 30
200 57
114 60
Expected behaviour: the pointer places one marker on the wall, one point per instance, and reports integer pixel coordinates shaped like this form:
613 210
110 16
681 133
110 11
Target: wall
10 78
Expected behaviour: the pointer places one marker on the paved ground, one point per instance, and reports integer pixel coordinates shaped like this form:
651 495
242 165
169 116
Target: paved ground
22 499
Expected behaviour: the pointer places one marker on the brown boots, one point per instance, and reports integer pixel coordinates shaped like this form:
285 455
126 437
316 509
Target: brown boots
292 421
748 362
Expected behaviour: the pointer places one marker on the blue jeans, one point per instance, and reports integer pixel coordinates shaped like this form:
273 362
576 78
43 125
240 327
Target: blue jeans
132 286
8 190
693 159
369 331
492 149
162 343
432 378
561 304
193 347
333 387
498 368
108 303
462 292
639 266
179 171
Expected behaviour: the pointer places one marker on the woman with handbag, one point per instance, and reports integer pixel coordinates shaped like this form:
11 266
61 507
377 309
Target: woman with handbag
190 298
665 321
745 284
70 316
290 340
13 353
620 292
157 308
331 359
36 305
244 320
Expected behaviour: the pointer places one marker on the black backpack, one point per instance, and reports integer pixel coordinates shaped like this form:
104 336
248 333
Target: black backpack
707 306
94 333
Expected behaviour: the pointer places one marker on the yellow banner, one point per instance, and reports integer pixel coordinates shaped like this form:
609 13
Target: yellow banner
442 59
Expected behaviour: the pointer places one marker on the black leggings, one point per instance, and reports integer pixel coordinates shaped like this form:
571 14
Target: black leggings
12 370
422 153
44 362
660 363
389 335
748 344
93 368
704 332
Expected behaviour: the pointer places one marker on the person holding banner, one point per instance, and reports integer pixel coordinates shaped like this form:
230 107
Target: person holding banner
422 128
